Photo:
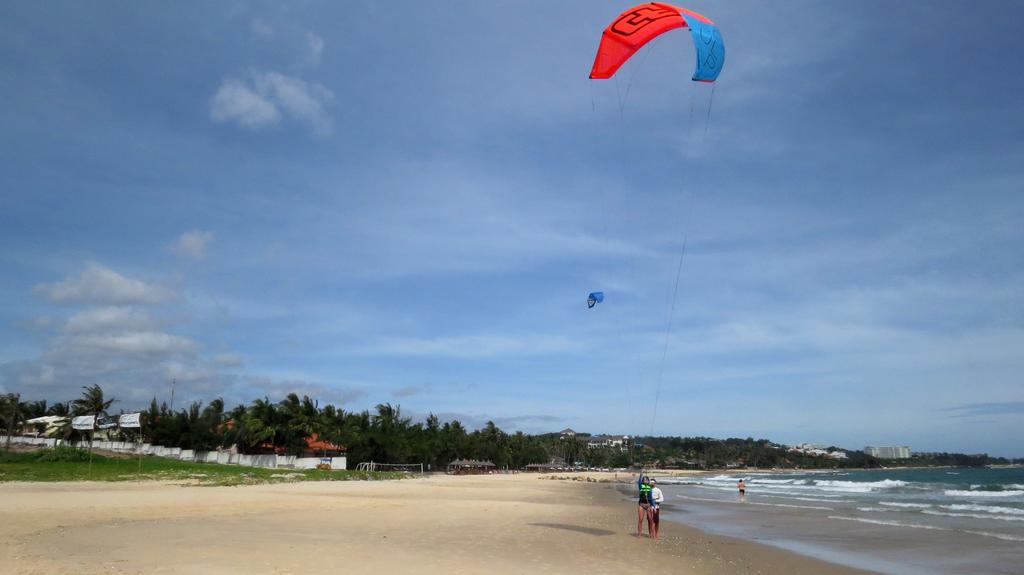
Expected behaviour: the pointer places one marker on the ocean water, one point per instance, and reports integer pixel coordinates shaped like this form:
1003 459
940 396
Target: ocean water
889 520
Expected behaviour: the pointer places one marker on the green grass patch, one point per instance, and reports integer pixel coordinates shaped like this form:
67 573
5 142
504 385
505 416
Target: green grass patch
69 464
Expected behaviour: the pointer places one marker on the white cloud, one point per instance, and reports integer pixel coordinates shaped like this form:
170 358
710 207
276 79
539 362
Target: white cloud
43 376
301 100
468 346
192 244
237 102
99 284
275 388
315 47
228 359
265 97
260 28
104 319
406 391
442 217
137 343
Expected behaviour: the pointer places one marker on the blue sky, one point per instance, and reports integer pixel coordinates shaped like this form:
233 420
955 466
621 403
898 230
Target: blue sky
410 204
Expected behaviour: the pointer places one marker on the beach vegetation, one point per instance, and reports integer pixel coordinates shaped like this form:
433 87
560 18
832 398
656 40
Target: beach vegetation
301 426
72 464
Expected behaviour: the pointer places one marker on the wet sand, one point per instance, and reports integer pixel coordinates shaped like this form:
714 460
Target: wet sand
442 524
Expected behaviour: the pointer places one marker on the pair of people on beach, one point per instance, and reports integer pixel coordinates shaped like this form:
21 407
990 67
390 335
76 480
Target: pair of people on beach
649 506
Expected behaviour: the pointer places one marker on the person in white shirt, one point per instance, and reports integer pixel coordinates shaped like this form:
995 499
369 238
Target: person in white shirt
656 498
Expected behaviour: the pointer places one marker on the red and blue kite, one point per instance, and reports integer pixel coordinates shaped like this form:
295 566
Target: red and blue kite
642 23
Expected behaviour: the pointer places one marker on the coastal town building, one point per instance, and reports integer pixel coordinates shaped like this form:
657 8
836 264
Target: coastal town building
620 442
888 452
45 426
816 449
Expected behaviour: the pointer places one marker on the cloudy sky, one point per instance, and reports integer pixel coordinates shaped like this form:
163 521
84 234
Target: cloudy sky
409 203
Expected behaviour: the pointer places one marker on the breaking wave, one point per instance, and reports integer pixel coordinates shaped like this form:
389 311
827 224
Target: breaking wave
972 493
973 515
985 508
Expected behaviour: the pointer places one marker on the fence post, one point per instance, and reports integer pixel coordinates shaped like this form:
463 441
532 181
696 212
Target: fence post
14 416
90 453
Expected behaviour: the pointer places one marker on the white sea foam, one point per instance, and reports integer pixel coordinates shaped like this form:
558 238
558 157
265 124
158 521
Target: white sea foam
758 479
973 515
984 508
677 481
833 487
961 493
1003 536
883 484
889 523
789 489
817 487
909 505
878 509
830 485
718 487
792 506
756 503
796 497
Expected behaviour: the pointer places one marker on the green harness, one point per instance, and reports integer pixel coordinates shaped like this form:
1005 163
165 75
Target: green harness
645 493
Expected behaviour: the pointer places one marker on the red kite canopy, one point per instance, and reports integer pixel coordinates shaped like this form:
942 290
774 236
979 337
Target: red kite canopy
642 23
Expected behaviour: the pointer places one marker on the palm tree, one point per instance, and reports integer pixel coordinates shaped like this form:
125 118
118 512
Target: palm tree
306 422
453 441
92 402
389 435
34 409
300 419
494 444
260 424
12 412
60 409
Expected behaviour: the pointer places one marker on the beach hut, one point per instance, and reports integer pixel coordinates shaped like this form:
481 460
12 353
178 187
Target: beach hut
470 467
555 464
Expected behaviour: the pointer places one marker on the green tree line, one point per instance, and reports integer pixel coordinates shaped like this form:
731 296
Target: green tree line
387 435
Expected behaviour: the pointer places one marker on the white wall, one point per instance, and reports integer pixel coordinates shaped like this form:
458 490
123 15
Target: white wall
222 457
312 462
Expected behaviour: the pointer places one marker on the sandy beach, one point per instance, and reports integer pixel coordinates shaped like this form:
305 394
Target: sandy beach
441 524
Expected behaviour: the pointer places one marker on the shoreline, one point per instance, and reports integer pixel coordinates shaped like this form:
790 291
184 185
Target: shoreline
441 524
721 552
892 521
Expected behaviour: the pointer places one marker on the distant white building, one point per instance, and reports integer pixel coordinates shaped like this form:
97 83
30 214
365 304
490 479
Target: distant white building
45 426
888 452
598 441
811 446
817 450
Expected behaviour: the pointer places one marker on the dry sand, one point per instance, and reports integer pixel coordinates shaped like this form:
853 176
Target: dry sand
441 524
